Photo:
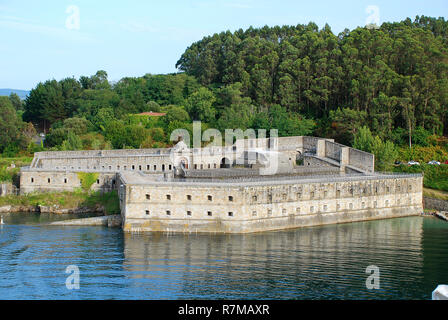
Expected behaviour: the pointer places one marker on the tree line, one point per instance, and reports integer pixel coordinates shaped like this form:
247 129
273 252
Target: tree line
393 77
391 81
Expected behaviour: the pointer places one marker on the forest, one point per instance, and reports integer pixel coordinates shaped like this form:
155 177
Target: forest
382 90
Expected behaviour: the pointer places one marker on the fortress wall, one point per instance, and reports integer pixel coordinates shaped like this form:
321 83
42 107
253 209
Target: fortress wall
290 145
361 159
211 161
51 181
149 163
310 144
95 153
245 144
316 162
155 163
333 150
254 173
267 207
160 160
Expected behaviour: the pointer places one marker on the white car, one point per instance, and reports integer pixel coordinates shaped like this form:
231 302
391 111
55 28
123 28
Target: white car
434 162
412 163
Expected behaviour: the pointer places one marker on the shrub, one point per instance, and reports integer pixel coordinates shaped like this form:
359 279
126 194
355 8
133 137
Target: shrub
87 179
73 142
423 154
435 177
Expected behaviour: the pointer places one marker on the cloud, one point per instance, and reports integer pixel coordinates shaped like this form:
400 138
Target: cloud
28 26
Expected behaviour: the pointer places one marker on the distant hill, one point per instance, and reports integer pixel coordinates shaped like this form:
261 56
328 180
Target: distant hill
21 93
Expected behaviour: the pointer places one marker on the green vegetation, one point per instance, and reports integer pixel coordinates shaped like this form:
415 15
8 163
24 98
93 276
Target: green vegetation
67 200
435 177
384 151
87 179
8 174
435 194
301 80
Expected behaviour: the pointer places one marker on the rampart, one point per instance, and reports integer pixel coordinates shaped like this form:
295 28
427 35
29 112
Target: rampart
251 206
253 185
42 180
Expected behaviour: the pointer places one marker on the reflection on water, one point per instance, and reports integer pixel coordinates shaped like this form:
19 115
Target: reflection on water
323 262
326 262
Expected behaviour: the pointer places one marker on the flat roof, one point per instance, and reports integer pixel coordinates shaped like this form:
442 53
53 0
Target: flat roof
130 178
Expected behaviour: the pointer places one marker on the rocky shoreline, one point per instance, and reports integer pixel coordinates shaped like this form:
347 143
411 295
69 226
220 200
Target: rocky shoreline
52 209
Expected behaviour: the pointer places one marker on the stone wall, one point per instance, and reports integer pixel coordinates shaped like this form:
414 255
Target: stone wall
51 181
7 188
435 204
162 160
333 150
255 173
361 159
99 153
312 161
146 163
105 221
251 207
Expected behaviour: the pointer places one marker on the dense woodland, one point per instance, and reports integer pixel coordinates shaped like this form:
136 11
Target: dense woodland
379 89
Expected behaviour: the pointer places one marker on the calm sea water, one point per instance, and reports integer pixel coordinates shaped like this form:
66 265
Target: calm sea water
326 262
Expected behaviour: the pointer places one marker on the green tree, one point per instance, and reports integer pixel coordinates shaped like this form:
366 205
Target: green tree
115 132
384 151
10 126
200 105
73 142
364 139
55 137
77 125
103 116
175 113
16 101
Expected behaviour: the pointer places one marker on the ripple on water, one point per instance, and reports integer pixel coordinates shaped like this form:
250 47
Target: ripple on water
326 262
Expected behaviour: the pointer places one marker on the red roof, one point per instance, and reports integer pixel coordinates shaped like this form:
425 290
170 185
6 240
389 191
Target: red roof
152 114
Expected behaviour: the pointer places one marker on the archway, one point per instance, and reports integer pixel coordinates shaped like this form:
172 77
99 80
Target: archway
225 163
299 159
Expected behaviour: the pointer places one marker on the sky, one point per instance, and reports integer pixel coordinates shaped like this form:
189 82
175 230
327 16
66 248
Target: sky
41 40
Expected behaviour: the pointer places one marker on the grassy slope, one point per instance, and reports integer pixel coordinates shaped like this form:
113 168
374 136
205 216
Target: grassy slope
66 200
436 194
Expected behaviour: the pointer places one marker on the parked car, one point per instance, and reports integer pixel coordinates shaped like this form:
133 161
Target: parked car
413 163
434 162
446 162
398 163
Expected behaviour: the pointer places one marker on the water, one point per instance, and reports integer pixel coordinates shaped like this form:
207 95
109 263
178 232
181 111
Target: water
326 262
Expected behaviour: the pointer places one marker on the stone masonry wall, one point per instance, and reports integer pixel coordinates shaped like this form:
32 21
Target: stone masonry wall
241 208
50 181
435 204
361 159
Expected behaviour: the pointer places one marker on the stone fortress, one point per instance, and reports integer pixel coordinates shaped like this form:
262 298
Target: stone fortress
253 185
